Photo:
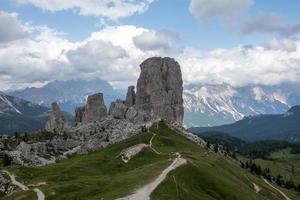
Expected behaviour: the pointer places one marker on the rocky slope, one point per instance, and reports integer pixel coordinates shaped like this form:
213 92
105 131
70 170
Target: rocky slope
211 105
159 96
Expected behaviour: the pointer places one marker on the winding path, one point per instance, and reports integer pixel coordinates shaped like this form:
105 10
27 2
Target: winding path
39 193
15 182
151 146
284 195
23 187
256 188
145 192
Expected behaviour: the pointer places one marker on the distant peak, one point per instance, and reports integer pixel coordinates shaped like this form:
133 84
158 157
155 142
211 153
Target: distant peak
294 110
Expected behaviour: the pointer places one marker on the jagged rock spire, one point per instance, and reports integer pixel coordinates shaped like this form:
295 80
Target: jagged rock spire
94 110
160 88
56 122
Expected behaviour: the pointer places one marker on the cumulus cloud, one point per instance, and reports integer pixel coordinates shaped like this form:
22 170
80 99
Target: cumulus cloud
269 23
114 54
152 41
46 55
112 9
241 66
285 44
225 10
11 28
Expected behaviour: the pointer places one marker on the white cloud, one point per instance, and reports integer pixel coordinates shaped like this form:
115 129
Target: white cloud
225 10
241 66
11 28
269 23
109 54
282 44
152 41
112 9
113 55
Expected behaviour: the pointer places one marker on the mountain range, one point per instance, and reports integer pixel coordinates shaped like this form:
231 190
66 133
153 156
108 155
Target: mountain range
205 104
261 127
18 115
68 94
218 104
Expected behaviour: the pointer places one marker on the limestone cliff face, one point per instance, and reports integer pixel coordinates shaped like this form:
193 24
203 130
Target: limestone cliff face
159 89
118 109
80 114
56 122
130 97
94 110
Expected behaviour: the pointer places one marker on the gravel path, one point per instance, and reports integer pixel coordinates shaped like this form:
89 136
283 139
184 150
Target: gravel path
284 195
145 192
15 182
39 193
256 188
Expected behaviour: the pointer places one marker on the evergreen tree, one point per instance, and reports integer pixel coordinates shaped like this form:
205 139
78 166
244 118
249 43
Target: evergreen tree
242 164
6 160
207 144
216 148
290 185
25 137
16 135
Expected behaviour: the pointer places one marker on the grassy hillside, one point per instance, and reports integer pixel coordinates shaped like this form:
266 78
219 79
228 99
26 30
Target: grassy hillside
283 163
102 174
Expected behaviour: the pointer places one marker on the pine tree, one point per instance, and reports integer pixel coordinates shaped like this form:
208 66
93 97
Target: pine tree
207 144
242 164
6 160
216 148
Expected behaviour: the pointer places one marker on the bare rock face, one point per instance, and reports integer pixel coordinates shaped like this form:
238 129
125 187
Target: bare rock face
6 187
130 97
56 122
159 89
79 114
94 110
118 109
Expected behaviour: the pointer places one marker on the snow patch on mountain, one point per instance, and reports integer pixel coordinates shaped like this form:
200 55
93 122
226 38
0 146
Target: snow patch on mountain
9 104
217 104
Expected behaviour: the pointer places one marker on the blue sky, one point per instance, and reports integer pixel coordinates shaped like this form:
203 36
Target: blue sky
210 38
173 15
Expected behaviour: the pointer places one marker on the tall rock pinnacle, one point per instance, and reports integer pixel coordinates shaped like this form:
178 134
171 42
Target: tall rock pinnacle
159 89
56 121
130 97
94 110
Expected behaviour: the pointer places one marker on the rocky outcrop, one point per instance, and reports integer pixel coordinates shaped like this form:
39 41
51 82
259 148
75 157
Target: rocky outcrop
158 96
118 109
159 90
56 122
79 114
80 139
6 187
94 110
130 97
130 152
